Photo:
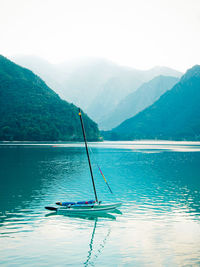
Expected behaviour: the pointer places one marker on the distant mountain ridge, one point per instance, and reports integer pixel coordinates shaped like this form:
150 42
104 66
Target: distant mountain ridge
31 111
96 85
175 116
135 102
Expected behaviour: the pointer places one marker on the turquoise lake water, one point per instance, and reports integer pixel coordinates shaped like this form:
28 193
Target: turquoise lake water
157 225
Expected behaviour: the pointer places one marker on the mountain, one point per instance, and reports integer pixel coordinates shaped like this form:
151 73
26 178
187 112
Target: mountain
77 81
52 76
87 80
122 82
30 110
175 116
112 91
135 102
97 85
162 70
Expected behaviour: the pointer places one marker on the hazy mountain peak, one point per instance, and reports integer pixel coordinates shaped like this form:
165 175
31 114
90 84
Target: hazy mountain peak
175 115
165 70
30 57
93 82
192 72
138 100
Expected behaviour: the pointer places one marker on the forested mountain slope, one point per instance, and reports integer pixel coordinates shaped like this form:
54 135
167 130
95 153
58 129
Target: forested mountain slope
30 110
176 115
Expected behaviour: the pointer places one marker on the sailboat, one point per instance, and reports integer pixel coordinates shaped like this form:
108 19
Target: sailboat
91 206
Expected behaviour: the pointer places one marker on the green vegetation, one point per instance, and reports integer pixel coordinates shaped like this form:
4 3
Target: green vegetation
175 116
30 110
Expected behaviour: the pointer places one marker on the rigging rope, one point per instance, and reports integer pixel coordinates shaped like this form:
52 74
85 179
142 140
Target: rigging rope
100 171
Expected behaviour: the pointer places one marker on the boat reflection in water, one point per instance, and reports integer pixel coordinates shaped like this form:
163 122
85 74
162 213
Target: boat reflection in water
87 216
92 255
91 244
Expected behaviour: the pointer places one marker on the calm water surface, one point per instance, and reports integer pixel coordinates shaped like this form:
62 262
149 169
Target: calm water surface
158 224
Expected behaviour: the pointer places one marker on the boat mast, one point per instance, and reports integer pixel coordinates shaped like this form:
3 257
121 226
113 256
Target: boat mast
83 130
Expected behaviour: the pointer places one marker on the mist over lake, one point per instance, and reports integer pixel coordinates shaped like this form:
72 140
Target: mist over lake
157 225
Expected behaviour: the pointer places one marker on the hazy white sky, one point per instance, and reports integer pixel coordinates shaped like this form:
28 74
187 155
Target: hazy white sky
136 33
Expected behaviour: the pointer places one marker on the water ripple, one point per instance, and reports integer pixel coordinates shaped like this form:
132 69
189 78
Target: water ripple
158 223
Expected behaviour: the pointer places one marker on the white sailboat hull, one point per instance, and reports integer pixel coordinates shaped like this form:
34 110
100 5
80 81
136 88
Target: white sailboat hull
82 209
